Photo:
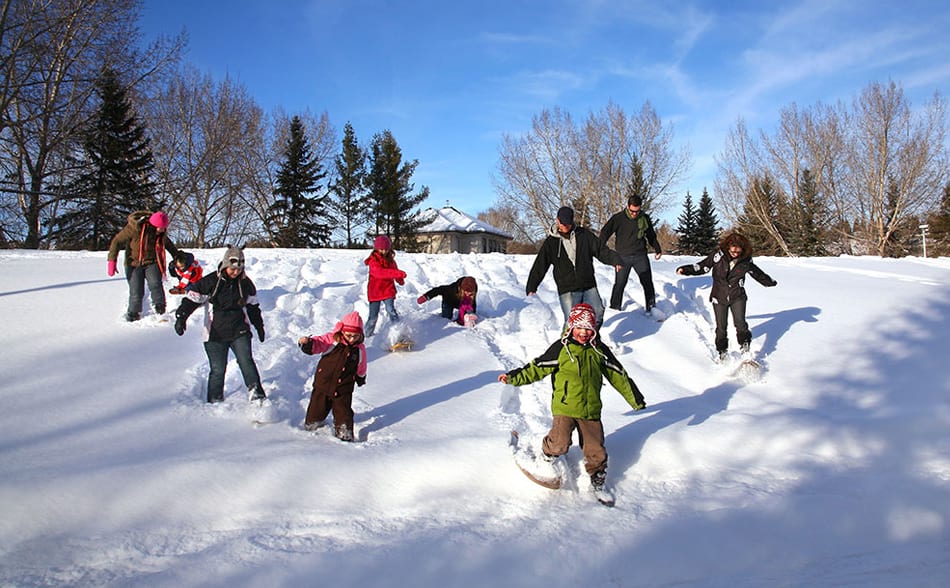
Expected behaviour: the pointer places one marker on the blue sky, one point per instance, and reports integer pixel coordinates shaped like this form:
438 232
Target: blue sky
450 78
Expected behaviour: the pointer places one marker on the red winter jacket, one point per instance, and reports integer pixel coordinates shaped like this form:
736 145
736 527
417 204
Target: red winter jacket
383 273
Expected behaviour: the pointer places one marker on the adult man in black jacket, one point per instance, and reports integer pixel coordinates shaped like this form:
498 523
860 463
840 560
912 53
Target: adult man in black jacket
634 231
571 250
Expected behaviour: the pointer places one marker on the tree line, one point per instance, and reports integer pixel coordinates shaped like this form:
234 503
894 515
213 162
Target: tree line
92 128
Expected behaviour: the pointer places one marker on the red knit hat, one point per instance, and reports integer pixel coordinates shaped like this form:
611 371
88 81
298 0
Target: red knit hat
582 317
382 243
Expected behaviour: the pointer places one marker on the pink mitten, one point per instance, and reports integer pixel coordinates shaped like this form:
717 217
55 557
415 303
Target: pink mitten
110 268
421 299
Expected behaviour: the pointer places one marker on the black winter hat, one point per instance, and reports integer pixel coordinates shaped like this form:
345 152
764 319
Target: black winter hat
565 216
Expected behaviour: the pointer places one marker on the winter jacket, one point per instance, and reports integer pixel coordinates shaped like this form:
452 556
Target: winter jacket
728 274
142 243
342 364
577 375
452 295
633 234
383 275
231 306
570 276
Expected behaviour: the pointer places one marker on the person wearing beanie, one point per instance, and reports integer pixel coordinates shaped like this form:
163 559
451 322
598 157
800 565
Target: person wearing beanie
384 274
145 241
578 364
187 269
729 264
231 308
342 365
459 296
634 231
571 250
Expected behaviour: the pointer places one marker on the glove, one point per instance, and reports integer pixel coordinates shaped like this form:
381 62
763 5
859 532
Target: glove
421 299
360 380
260 333
180 326
110 268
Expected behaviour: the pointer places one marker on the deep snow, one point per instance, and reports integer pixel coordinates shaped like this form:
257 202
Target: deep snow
832 470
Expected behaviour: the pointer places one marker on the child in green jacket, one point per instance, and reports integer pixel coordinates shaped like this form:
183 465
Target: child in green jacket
578 364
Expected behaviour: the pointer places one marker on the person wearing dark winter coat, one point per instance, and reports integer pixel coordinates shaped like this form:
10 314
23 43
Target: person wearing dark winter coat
459 296
578 364
145 241
186 268
571 250
730 264
342 365
384 274
231 307
634 231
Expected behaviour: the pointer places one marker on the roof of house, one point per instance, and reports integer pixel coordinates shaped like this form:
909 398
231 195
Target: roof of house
451 220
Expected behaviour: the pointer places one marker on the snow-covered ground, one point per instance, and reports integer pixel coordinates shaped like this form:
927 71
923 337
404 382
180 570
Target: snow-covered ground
833 469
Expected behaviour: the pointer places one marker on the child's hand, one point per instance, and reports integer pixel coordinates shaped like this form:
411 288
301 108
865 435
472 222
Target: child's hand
303 340
503 378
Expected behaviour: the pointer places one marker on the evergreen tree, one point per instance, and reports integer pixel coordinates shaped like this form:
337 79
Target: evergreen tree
298 216
389 187
707 225
351 204
806 238
116 179
938 227
761 199
686 229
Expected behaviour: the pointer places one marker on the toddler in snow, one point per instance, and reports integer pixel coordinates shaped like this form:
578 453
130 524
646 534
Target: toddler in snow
343 364
383 277
186 268
459 295
578 364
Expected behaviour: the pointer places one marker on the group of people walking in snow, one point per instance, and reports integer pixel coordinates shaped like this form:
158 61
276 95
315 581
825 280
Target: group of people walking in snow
578 362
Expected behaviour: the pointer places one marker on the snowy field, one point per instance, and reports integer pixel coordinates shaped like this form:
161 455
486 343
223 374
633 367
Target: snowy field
832 469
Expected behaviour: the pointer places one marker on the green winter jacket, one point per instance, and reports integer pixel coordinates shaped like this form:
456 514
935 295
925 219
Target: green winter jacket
577 375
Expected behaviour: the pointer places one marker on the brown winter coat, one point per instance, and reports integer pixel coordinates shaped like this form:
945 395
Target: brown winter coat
142 242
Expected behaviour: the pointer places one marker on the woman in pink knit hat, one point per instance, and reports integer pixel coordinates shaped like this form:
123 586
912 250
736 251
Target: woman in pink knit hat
342 365
145 241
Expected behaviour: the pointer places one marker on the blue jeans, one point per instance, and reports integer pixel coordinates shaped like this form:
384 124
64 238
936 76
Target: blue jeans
137 277
218 360
591 296
390 304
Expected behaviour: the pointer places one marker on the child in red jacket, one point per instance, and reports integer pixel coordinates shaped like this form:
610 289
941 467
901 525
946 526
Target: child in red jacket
186 268
342 365
383 277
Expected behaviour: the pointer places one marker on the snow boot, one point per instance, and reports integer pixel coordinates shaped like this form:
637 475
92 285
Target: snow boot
132 316
598 487
257 393
745 348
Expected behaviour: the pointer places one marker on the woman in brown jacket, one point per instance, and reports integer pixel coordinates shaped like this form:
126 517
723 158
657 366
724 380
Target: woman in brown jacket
145 242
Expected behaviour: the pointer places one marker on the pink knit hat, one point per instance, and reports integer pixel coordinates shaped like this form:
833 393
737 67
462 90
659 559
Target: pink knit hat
159 220
382 243
352 323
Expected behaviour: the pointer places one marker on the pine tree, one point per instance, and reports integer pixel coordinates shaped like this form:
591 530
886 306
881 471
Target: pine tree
707 224
805 238
351 205
389 190
761 199
686 229
117 163
938 227
299 217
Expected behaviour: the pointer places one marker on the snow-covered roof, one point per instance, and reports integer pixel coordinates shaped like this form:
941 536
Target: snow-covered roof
449 219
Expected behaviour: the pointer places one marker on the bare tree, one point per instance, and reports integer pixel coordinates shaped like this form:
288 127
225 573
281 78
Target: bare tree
897 161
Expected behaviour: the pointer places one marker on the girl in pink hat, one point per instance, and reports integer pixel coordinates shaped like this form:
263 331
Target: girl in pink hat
343 364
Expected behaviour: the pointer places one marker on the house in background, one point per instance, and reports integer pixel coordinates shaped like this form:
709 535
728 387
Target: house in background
451 231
